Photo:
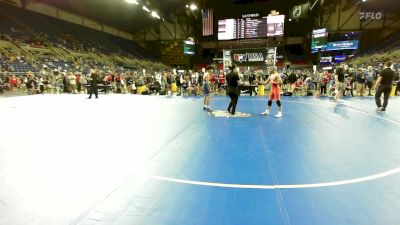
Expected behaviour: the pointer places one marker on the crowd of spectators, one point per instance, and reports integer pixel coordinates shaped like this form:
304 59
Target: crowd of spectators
359 81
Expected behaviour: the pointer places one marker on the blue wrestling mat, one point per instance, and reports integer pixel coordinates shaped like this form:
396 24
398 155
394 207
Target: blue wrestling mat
165 161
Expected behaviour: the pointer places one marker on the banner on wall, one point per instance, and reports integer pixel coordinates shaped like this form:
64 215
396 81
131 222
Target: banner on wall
327 60
249 57
342 45
339 58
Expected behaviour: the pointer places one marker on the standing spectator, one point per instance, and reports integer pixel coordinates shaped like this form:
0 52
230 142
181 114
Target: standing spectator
212 79
178 80
170 80
290 80
72 82
369 76
323 82
41 84
94 79
14 83
159 78
78 82
339 82
83 82
361 80
1 85
24 81
398 82
252 77
221 80
118 83
66 87
348 87
129 83
185 84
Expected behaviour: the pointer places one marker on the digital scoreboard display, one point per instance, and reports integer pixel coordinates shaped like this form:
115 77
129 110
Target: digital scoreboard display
247 28
319 40
188 47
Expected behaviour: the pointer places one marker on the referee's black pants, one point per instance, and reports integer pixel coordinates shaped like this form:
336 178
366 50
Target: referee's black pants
385 90
234 95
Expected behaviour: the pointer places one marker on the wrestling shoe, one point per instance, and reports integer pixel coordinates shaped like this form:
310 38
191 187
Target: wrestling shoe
380 109
265 113
279 115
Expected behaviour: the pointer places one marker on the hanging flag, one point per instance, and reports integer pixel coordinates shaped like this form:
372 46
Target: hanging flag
300 11
208 22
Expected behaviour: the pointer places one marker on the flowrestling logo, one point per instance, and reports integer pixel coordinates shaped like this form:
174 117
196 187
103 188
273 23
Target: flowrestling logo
248 57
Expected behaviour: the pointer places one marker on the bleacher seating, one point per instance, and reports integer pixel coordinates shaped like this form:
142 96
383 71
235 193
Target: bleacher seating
34 29
388 49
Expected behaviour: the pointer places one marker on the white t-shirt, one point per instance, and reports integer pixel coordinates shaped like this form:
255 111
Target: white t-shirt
206 76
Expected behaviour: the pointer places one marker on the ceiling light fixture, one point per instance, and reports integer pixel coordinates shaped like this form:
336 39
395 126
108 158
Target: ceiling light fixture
193 7
155 15
146 9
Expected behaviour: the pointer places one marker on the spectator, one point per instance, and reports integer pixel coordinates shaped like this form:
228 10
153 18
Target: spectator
221 80
369 76
72 82
339 83
298 86
361 80
13 83
323 82
78 82
1 85
83 82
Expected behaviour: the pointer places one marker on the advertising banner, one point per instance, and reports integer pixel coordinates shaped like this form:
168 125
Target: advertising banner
249 57
326 60
340 58
342 45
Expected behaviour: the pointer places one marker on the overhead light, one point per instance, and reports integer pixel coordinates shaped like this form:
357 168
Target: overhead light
155 15
187 6
193 7
364 0
132 2
146 9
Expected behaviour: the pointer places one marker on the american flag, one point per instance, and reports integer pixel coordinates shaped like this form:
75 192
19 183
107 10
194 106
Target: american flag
208 22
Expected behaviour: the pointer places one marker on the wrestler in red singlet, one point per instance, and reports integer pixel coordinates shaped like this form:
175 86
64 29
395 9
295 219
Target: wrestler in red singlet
275 80
275 90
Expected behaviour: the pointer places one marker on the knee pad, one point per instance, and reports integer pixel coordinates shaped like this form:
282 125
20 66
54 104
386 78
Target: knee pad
269 103
279 103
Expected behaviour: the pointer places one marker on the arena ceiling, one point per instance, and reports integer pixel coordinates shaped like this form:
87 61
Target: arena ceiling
118 13
132 18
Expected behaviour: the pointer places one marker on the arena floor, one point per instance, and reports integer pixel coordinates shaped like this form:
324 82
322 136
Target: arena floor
156 160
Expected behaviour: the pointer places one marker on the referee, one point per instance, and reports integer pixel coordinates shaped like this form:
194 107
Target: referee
384 86
233 89
94 79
